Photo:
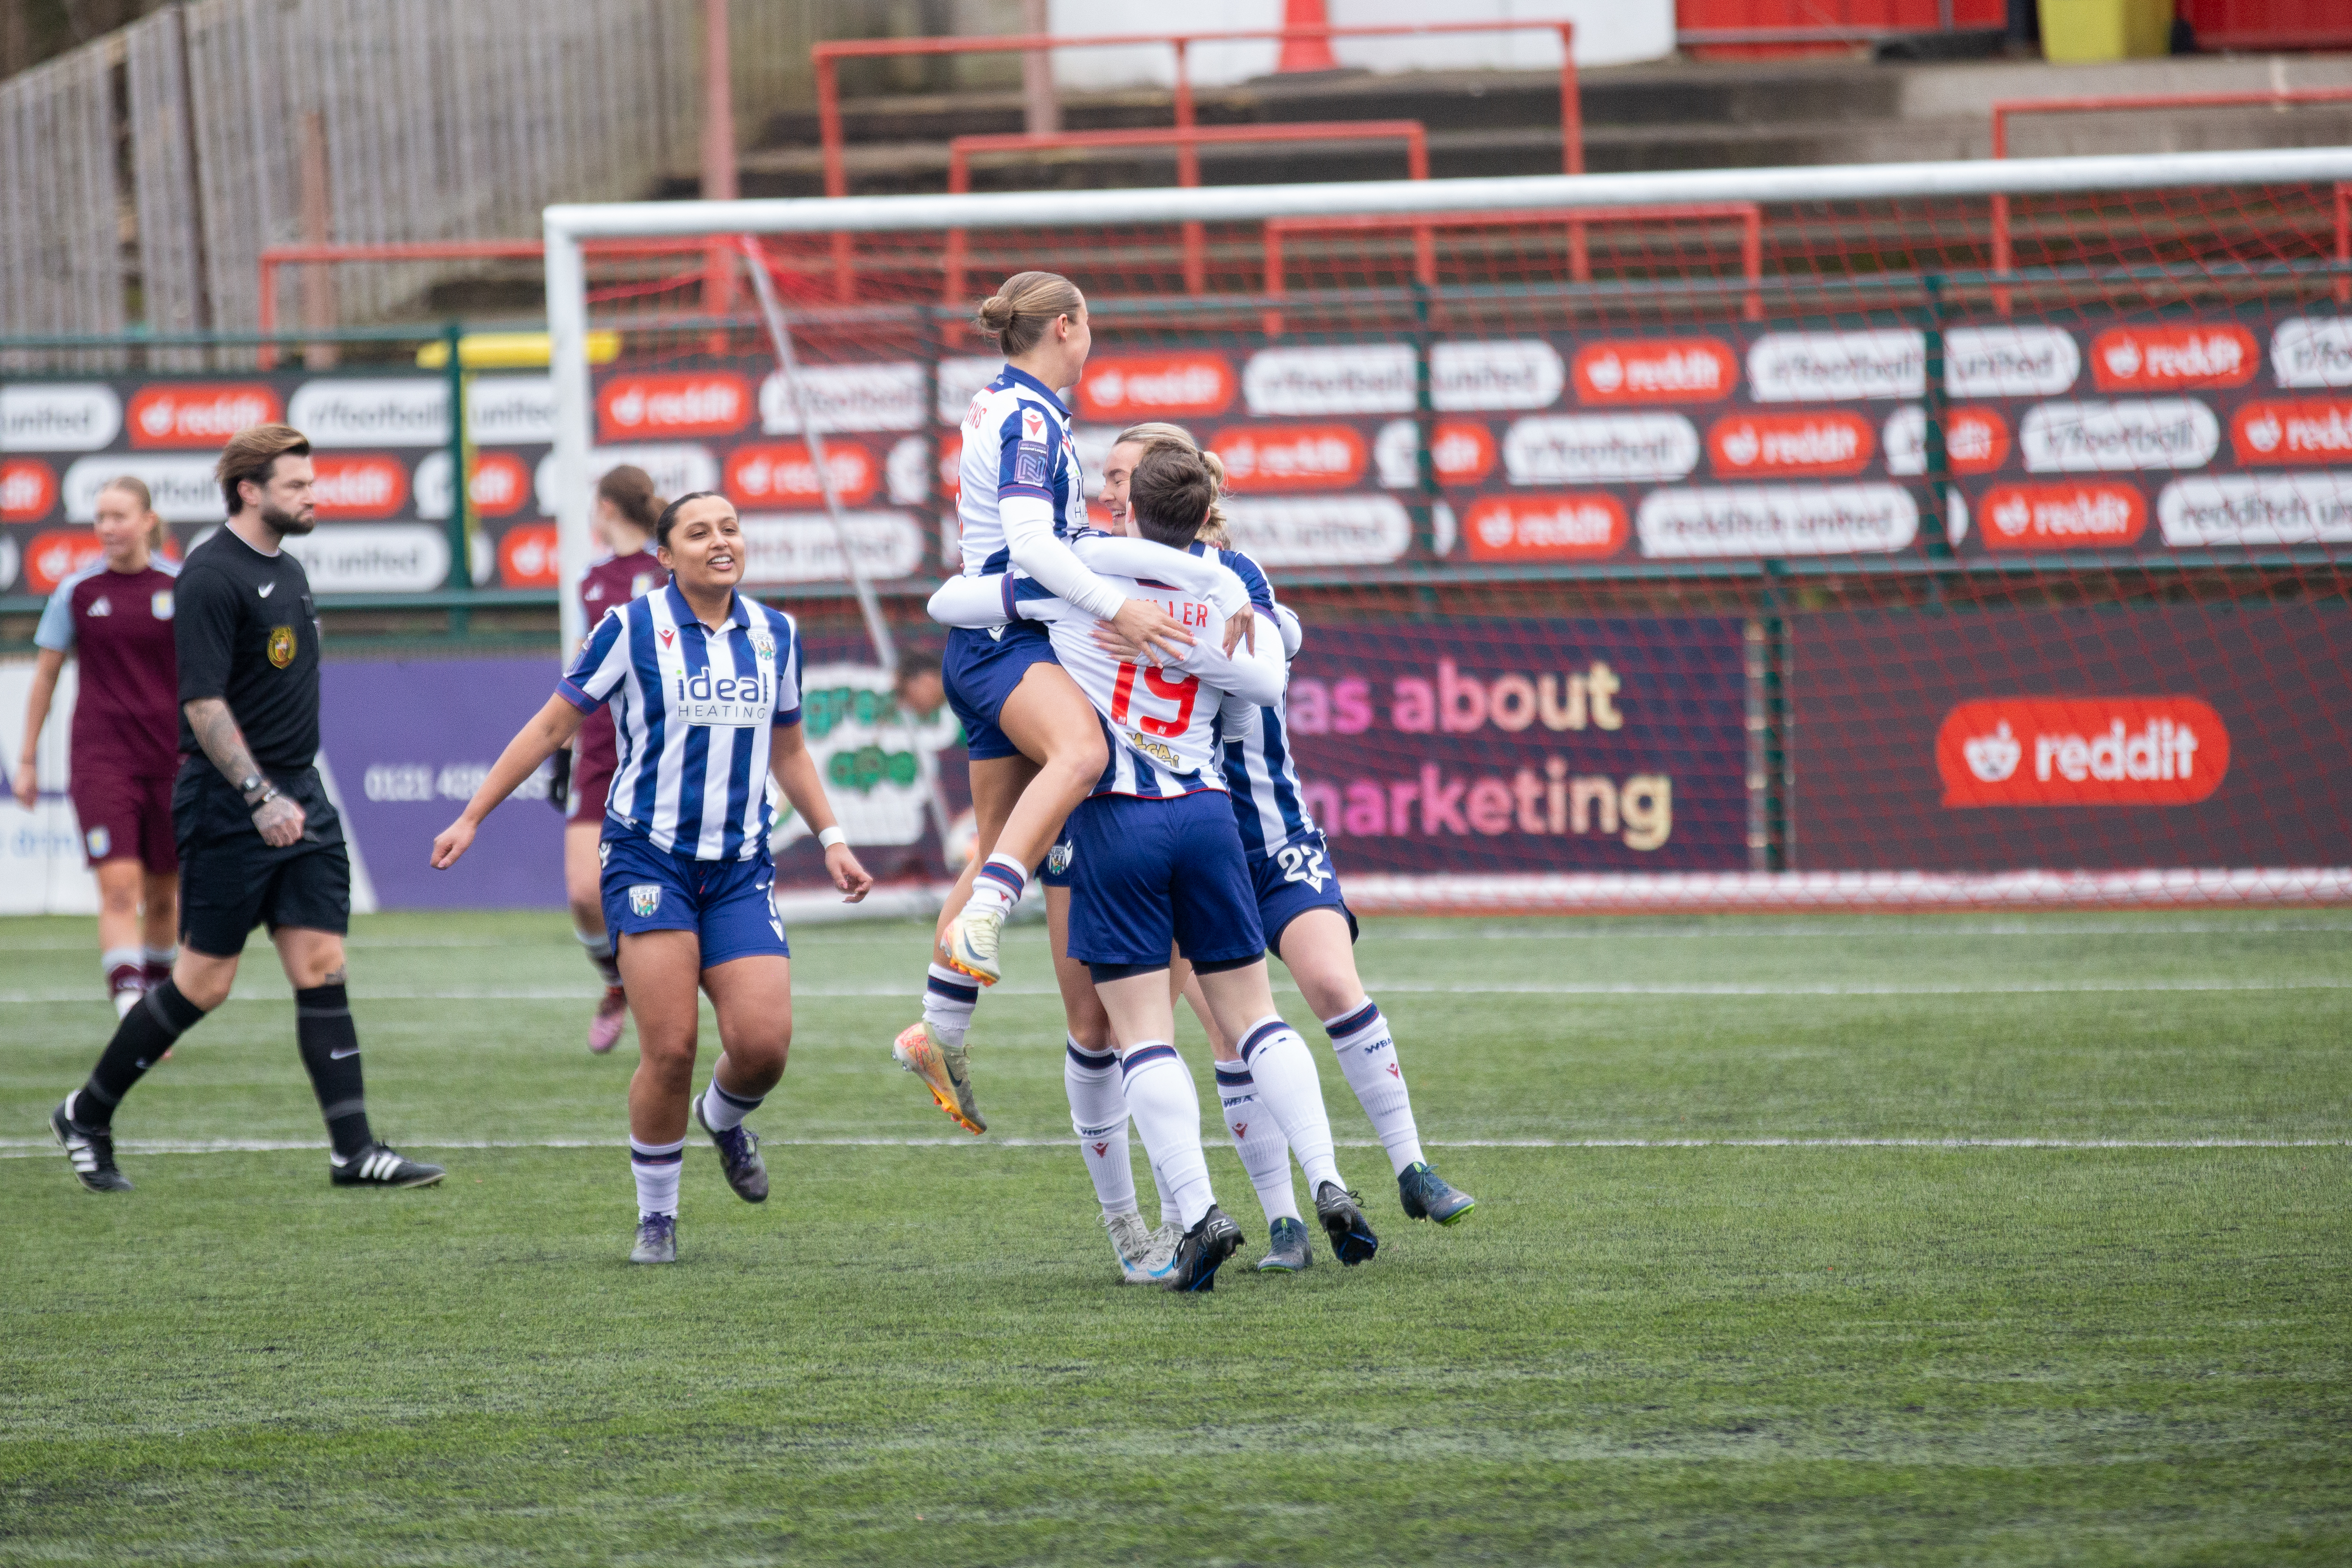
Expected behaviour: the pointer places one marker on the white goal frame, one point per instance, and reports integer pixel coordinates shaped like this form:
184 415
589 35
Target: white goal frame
568 225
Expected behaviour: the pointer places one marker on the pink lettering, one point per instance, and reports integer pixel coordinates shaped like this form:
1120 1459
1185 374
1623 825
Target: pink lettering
1461 701
1351 707
1441 802
1416 707
1309 708
1366 815
1489 806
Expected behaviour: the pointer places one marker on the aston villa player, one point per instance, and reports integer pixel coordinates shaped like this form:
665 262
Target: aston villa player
258 841
114 616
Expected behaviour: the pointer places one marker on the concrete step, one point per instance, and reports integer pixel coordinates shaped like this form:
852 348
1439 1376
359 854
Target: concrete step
1677 115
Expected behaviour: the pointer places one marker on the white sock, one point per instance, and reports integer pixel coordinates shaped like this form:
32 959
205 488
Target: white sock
600 953
1167 1112
1098 1116
162 957
1368 1060
723 1111
948 997
1258 1139
1002 880
1285 1070
1167 1199
656 1166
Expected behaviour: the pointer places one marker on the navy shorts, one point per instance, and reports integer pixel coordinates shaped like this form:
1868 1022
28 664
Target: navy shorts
1294 878
1148 875
725 903
979 672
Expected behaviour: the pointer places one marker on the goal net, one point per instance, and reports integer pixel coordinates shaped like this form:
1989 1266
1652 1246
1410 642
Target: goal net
1929 536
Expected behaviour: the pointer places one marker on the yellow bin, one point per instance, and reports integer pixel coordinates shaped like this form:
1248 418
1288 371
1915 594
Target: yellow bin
2105 29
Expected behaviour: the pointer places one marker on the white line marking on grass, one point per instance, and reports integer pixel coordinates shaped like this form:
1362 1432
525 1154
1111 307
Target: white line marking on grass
1386 987
34 1148
1591 929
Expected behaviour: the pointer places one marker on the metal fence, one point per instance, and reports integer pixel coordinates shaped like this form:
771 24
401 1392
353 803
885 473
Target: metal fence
429 119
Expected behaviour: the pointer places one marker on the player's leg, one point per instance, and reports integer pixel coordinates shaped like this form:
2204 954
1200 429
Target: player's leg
160 891
121 953
227 879
581 874
159 921
1051 722
1124 860
1258 1139
329 1042
1319 947
934 1049
748 975
1098 1115
661 969
1216 911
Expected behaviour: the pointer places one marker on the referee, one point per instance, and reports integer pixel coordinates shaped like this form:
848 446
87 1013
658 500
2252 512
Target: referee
258 840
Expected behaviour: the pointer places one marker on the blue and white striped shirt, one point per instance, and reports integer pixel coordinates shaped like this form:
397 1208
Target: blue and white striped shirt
693 710
1261 775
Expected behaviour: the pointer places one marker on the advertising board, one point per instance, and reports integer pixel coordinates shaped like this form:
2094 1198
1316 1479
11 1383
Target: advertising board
2181 736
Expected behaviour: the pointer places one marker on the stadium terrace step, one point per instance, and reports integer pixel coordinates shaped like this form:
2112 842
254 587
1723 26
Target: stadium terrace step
1672 115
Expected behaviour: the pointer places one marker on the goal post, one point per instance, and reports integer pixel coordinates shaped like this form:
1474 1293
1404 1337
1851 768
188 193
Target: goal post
1980 544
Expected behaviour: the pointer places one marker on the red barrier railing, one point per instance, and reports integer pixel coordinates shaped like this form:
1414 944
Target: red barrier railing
277 256
1184 139
2003 109
826 58
1751 239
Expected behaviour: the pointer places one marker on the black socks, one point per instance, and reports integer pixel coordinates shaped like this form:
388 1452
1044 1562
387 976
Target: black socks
331 1055
140 1041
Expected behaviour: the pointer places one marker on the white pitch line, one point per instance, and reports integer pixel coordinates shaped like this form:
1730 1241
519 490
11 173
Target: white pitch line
1392 987
35 1148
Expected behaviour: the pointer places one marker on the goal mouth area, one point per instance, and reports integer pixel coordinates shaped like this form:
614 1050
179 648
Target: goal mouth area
1973 473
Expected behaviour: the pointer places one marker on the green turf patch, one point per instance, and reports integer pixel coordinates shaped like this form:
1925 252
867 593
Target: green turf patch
918 1353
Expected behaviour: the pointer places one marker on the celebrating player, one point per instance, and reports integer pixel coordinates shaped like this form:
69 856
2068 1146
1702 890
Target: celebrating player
1155 862
115 615
1034 744
258 840
1308 925
705 685
626 511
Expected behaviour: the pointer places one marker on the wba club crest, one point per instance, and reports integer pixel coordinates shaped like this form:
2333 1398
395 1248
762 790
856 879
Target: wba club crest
1057 859
644 900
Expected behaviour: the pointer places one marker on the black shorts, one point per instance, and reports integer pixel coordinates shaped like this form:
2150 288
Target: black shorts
230 881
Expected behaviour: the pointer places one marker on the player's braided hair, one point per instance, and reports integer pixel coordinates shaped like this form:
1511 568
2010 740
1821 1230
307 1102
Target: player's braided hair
1171 495
1017 314
1156 433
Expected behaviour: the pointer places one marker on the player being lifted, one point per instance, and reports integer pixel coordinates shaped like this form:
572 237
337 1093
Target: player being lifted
258 840
115 616
1034 744
1155 863
626 511
1306 920
705 688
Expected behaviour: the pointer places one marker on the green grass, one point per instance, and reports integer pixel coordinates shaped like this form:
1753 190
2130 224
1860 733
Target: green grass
1663 1338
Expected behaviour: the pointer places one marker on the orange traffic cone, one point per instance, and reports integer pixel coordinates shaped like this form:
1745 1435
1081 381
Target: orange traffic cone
1307 54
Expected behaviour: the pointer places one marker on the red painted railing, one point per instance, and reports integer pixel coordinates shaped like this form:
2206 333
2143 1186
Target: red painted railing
1751 239
826 58
1185 139
2004 110
277 256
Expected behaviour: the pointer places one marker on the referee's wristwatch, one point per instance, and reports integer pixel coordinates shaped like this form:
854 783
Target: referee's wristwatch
258 791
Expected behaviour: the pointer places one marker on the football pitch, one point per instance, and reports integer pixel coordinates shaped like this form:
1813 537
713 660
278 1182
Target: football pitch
1975 1240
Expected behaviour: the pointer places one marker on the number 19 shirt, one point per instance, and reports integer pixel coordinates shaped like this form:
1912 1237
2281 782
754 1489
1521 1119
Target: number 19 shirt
694 709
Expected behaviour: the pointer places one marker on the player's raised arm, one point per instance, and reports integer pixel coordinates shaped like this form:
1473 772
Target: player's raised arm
549 731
